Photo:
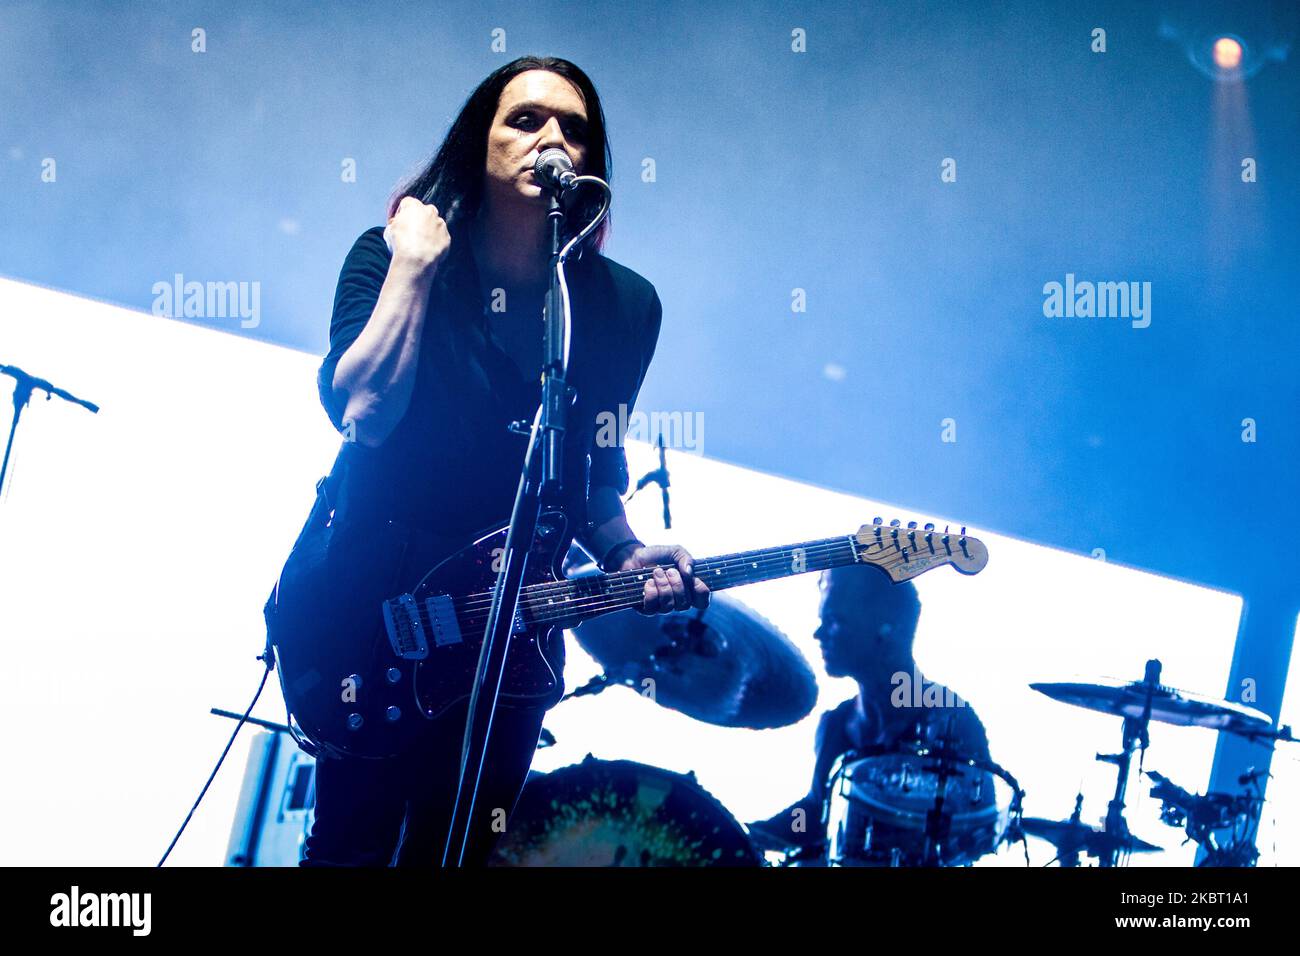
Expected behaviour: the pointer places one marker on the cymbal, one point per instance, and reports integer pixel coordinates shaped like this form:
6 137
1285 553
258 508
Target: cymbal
1168 705
725 665
1071 836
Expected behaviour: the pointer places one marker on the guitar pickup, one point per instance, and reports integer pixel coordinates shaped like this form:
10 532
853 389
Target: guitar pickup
405 629
442 620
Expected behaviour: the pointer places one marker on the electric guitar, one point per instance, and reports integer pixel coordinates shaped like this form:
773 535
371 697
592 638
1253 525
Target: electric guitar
365 664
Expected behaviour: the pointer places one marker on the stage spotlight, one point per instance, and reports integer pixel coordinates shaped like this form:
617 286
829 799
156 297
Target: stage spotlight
1252 39
1229 58
1227 52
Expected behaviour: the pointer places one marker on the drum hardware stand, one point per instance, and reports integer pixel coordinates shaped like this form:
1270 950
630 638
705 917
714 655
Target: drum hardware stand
1070 858
624 676
596 685
938 825
1202 815
936 821
1116 832
1282 735
256 721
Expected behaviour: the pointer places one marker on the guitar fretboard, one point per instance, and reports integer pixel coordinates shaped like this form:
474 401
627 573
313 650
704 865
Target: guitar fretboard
902 552
581 598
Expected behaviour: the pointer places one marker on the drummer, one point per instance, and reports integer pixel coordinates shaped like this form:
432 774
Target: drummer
867 627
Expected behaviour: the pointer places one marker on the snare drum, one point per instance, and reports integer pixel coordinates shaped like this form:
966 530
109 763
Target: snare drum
916 804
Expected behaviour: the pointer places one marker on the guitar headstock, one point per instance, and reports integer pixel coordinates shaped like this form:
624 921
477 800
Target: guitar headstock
904 552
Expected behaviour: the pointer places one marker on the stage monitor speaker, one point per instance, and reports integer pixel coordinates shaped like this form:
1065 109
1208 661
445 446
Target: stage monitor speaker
276 804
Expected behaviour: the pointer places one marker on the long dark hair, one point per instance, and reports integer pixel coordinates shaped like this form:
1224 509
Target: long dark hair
453 179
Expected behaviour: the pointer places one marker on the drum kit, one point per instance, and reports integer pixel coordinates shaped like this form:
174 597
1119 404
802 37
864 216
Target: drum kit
918 802
1223 825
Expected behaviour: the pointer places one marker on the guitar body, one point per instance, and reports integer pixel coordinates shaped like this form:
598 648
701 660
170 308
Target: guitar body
352 687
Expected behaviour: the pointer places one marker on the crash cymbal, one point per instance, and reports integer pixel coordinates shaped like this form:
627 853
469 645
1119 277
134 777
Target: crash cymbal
725 665
1071 836
1168 705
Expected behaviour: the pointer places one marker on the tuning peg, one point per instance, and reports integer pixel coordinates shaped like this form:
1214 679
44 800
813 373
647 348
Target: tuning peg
877 520
911 524
895 523
963 531
929 526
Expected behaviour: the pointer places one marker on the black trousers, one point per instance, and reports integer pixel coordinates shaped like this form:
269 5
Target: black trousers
397 811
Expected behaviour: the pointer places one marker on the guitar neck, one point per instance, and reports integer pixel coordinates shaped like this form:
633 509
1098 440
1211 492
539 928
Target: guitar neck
583 598
770 564
901 552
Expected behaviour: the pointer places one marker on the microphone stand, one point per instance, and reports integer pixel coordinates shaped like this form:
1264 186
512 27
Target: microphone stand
537 478
659 477
23 387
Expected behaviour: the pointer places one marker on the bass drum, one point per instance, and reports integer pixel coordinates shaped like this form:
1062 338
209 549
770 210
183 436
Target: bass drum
619 813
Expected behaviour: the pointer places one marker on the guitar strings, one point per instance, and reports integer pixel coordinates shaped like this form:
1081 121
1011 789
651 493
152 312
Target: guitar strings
622 584
821 544
629 590
634 579
623 588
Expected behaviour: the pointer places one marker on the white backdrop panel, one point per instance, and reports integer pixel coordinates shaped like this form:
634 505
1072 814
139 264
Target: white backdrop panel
137 547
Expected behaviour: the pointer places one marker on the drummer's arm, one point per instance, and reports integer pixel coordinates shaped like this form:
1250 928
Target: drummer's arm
802 819
799 823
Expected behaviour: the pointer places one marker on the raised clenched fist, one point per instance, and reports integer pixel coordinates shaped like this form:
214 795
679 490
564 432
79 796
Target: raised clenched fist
417 235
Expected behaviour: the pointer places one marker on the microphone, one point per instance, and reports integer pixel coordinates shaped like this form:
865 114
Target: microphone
658 477
554 170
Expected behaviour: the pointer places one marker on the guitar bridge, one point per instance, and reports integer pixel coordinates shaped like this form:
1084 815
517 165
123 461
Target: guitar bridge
405 630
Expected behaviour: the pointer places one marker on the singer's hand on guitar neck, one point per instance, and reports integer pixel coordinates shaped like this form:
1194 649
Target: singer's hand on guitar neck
673 587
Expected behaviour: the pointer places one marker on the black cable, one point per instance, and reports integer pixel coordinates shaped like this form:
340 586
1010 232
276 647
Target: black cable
268 660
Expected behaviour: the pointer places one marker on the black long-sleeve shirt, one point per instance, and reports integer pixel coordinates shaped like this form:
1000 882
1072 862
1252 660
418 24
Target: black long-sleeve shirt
451 464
